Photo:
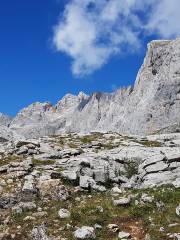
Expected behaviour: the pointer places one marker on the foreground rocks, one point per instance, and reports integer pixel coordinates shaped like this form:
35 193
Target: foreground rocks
52 187
92 161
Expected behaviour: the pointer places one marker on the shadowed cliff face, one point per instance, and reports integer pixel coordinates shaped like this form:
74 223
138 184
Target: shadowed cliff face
5 120
152 104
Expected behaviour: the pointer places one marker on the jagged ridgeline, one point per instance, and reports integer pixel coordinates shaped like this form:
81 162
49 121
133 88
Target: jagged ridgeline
151 105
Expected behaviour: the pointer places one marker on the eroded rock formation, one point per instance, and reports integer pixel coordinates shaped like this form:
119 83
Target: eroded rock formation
151 105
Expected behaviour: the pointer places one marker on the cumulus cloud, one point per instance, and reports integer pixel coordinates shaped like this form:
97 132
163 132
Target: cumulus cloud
165 19
91 31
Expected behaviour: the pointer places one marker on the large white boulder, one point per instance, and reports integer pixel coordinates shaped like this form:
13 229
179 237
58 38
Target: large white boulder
85 233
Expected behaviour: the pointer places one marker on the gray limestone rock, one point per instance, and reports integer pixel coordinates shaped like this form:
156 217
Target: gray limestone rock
86 182
151 105
178 210
64 213
39 233
124 235
5 120
122 201
85 233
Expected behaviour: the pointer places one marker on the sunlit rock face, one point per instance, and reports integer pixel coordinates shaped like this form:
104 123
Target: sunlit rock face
153 103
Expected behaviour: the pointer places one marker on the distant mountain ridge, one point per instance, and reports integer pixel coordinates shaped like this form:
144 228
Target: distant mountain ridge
153 103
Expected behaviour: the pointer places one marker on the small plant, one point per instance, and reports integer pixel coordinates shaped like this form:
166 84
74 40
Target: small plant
139 211
131 169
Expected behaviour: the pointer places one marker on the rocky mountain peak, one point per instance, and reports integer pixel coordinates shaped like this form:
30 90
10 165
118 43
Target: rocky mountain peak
82 96
152 104
161 64
67 102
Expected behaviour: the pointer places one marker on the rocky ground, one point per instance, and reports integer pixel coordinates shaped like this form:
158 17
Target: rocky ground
95 186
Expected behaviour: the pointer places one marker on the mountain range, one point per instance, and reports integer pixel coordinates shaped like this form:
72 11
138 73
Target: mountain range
151 105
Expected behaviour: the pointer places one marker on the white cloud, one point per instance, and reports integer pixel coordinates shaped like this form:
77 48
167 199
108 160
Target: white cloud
91 31
165 19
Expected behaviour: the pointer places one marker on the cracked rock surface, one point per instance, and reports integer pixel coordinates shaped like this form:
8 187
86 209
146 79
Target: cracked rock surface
44 191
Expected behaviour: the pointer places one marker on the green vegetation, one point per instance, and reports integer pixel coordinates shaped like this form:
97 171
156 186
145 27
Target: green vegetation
98 208
131 169
147 143
89 138
38 162
143 142
60 169
61 141
109 145
9 159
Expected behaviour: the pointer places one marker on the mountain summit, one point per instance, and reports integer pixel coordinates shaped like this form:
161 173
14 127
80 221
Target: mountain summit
152 104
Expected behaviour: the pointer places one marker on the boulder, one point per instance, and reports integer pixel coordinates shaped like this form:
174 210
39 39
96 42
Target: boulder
86 182
124 235
178 210
64 213
52 189
39 233
123 201
85 233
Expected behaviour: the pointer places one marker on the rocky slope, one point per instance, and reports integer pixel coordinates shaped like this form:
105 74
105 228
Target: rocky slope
152 104
95 186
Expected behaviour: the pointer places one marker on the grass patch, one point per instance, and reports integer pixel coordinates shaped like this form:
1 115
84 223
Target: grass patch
38 162
147 143
9 159
89 138
99 208
109 145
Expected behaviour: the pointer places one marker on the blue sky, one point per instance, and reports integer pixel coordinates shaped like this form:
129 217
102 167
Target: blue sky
41 59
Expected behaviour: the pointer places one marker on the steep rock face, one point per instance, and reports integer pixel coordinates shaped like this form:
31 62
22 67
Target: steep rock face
5 133
5 120
155 101
152 104
104 112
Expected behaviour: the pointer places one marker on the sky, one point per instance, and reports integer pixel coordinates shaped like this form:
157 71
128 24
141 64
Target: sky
49 48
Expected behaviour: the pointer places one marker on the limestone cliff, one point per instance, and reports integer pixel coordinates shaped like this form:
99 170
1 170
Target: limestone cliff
153 103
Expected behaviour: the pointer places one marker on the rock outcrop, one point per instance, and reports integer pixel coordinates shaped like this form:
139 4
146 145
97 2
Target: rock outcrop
82 186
